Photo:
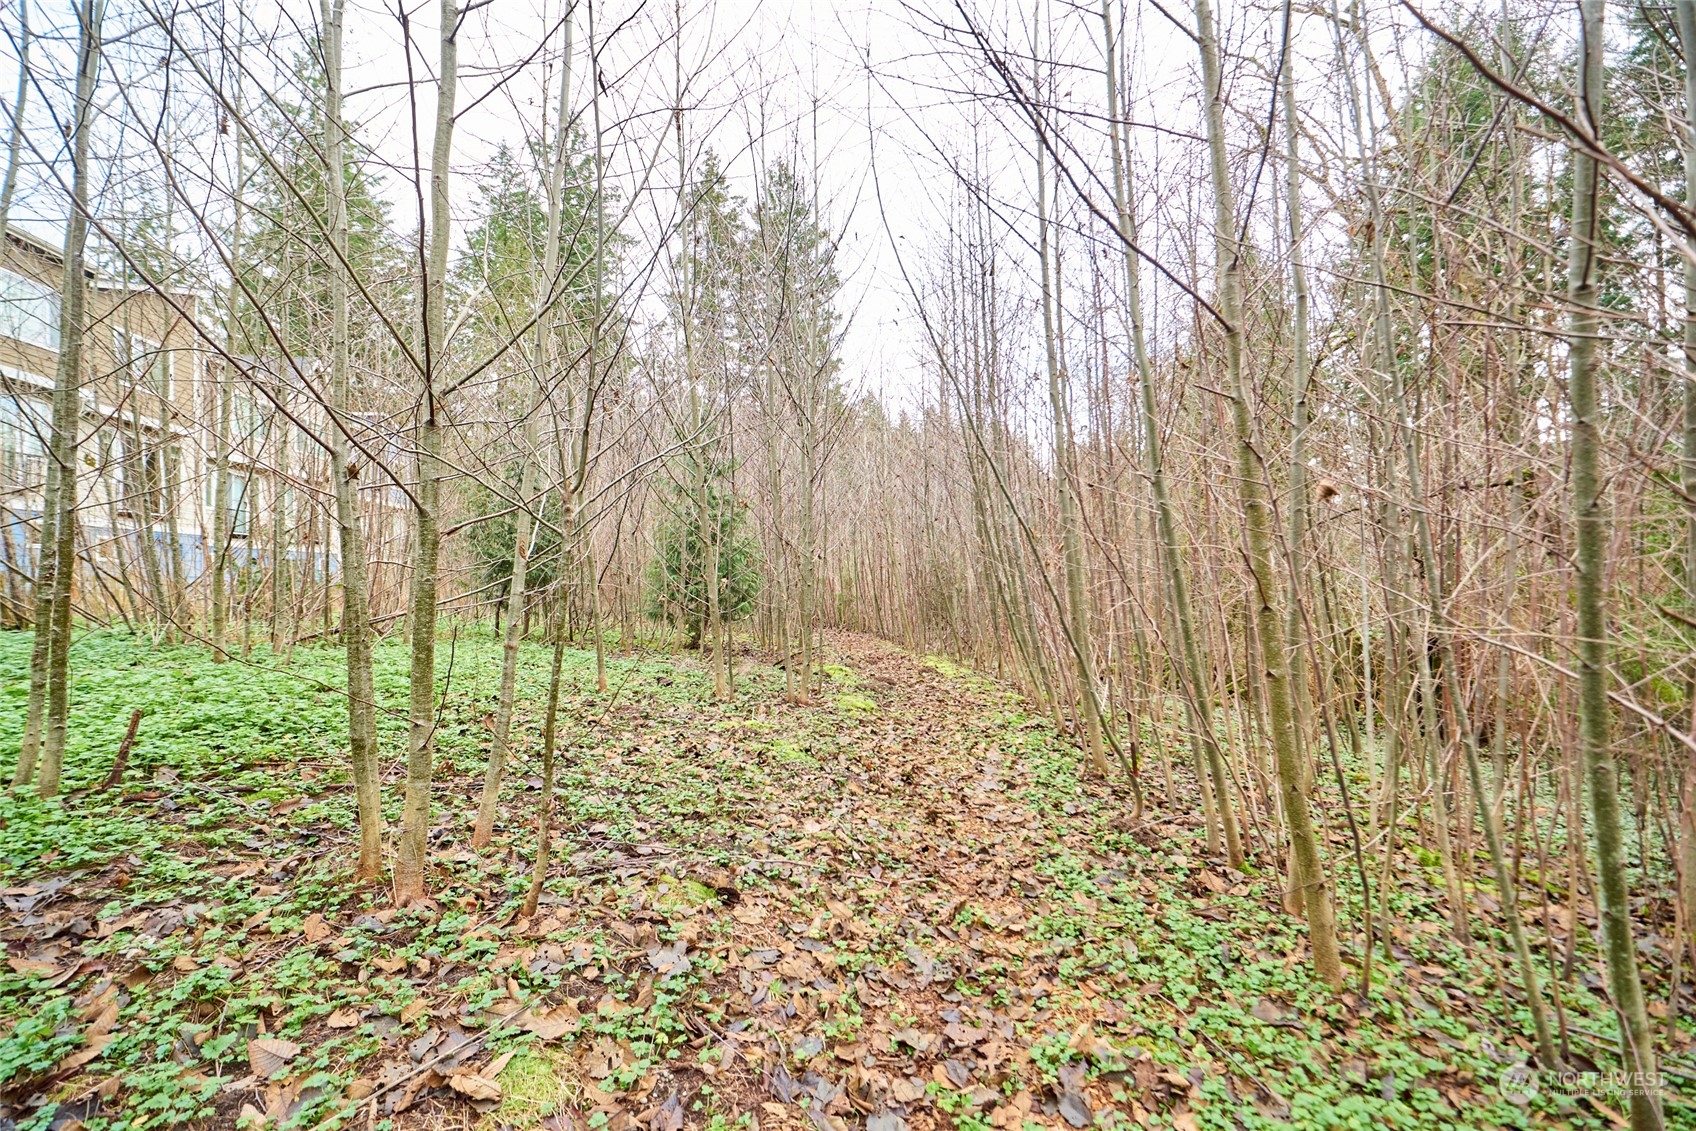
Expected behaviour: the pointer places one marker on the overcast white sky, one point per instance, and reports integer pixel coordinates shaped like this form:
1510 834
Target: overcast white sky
765 79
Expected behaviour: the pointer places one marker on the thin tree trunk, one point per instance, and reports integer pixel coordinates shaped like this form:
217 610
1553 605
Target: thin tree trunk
1592 525
1687 465
1077 609
1189 661
221 501
51 681
1445 631
8 188
808 551
523 522
1299 367
15 141
415 814
356 612
1307 866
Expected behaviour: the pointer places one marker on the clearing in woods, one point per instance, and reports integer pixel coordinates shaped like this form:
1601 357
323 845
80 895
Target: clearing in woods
900 906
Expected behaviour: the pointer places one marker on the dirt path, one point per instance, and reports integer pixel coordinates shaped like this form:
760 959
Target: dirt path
947 997
880 964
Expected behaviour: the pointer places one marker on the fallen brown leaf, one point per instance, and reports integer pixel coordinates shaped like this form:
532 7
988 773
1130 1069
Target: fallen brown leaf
475 1087
553 1024
269 1055
96 1045
315 928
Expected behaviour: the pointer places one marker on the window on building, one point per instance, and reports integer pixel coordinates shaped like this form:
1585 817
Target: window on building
247 418
148 362
29 310
23 443
143 481
241 506
238 503
109 444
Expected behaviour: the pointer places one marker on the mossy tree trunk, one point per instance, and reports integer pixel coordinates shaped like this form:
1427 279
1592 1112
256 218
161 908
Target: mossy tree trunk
1307 867
49 700
1592 523
356 614
410 854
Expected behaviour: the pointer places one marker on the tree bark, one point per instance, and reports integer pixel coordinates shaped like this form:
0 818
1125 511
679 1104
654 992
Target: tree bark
350 532
410 854
1191 668
15 141
1299 374
1686 10
219 551
523 520
1307 867
1592 521
58 532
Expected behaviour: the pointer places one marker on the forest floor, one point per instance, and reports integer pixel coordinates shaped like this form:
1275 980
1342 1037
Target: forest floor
902 906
